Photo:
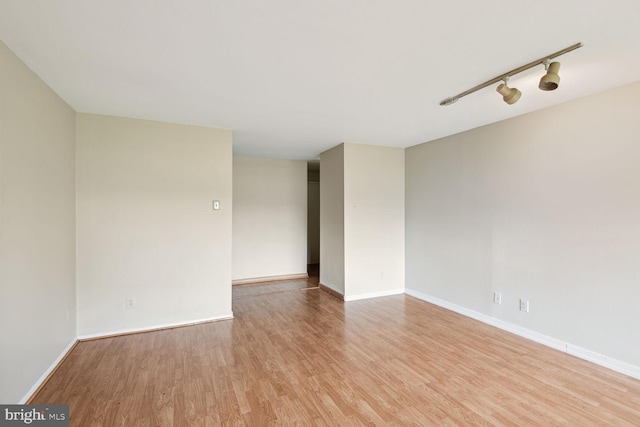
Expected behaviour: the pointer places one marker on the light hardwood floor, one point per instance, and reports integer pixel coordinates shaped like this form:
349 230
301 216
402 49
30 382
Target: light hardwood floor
255 289
303 358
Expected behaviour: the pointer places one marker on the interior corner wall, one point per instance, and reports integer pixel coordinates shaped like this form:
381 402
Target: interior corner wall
37 228
373 220
543 207
332 263
147 232
269 218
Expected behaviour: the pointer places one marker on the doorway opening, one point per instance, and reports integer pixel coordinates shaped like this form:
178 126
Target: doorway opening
313 219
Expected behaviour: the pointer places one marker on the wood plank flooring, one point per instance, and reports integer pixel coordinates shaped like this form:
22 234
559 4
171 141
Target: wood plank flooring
304 358
255 289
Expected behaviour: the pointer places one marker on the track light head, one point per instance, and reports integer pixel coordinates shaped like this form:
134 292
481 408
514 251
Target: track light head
509 95
550 80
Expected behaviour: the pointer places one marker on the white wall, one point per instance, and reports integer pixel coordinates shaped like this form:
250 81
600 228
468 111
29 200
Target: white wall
544 207
374 220
332 253
146 228
37 228
269 217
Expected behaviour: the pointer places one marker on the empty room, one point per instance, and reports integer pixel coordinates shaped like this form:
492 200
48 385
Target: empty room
319 213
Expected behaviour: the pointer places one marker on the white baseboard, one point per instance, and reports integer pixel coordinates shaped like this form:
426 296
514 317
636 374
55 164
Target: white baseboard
46 373
331 291
580 352
606 361
152 328
368 295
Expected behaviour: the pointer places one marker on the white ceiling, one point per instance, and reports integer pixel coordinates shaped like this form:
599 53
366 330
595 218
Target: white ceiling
293 78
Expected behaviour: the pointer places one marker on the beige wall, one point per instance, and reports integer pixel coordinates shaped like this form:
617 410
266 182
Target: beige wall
269 217
544 207
37 228
146 227
332 253
374 220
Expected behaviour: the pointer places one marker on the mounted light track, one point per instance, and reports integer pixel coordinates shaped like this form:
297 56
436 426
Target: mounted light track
548 82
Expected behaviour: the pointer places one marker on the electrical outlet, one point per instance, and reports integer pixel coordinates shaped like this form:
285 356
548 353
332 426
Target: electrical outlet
131 303
497 298
524 305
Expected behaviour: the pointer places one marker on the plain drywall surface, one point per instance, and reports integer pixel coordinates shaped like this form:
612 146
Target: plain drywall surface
543 207
37 227
146 227
269 217
332 253
373 219
313 223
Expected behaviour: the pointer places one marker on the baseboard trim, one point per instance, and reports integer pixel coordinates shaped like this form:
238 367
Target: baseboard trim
606 361
252 280
331 291
132 331
42 381
574 350
368 295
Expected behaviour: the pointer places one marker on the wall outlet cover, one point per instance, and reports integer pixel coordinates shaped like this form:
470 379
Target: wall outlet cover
497 298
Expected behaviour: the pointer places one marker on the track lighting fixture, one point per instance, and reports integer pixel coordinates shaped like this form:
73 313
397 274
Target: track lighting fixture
509 95
548 82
